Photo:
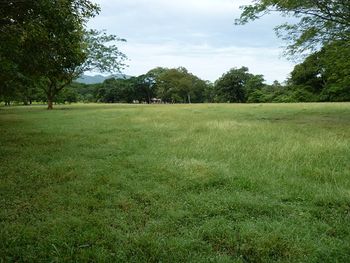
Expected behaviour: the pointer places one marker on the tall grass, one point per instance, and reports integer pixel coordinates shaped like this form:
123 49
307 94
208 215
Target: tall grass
175 183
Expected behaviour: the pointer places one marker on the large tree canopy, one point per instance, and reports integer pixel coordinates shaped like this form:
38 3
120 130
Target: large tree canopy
320 21
325 73
236 85
45 42
178 85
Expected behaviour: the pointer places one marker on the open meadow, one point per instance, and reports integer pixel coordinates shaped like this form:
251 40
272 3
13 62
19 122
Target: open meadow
175 183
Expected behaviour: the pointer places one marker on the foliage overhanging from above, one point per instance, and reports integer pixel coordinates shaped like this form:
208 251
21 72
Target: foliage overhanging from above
320 21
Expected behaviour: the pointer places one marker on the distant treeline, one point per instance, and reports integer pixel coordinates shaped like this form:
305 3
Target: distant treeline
314 80
45 45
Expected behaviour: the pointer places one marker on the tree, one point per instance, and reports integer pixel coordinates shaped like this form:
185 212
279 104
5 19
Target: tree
325 73
41 38
309 74
117 90
145 87
323 33
209 92
178 85
46 41
88 52
69 94
320 21
153 77
337 68
236 85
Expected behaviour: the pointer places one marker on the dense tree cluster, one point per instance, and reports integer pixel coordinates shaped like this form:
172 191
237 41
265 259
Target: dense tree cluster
320 35
323 76
316 79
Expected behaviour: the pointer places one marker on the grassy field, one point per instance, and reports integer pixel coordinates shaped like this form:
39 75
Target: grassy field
175 183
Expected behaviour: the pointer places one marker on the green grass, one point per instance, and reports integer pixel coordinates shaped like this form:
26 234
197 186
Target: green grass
175 183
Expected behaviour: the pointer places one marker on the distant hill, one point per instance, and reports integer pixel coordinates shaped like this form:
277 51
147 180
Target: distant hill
86 79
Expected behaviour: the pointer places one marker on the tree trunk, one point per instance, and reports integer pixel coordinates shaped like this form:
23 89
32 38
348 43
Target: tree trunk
49 103
50 96
148 96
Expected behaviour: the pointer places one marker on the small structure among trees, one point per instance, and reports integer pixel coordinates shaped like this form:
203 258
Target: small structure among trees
156 101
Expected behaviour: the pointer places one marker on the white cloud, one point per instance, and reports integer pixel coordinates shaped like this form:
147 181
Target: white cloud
206 61
197 34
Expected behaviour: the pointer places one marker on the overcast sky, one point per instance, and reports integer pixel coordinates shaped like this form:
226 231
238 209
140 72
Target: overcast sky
197 34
